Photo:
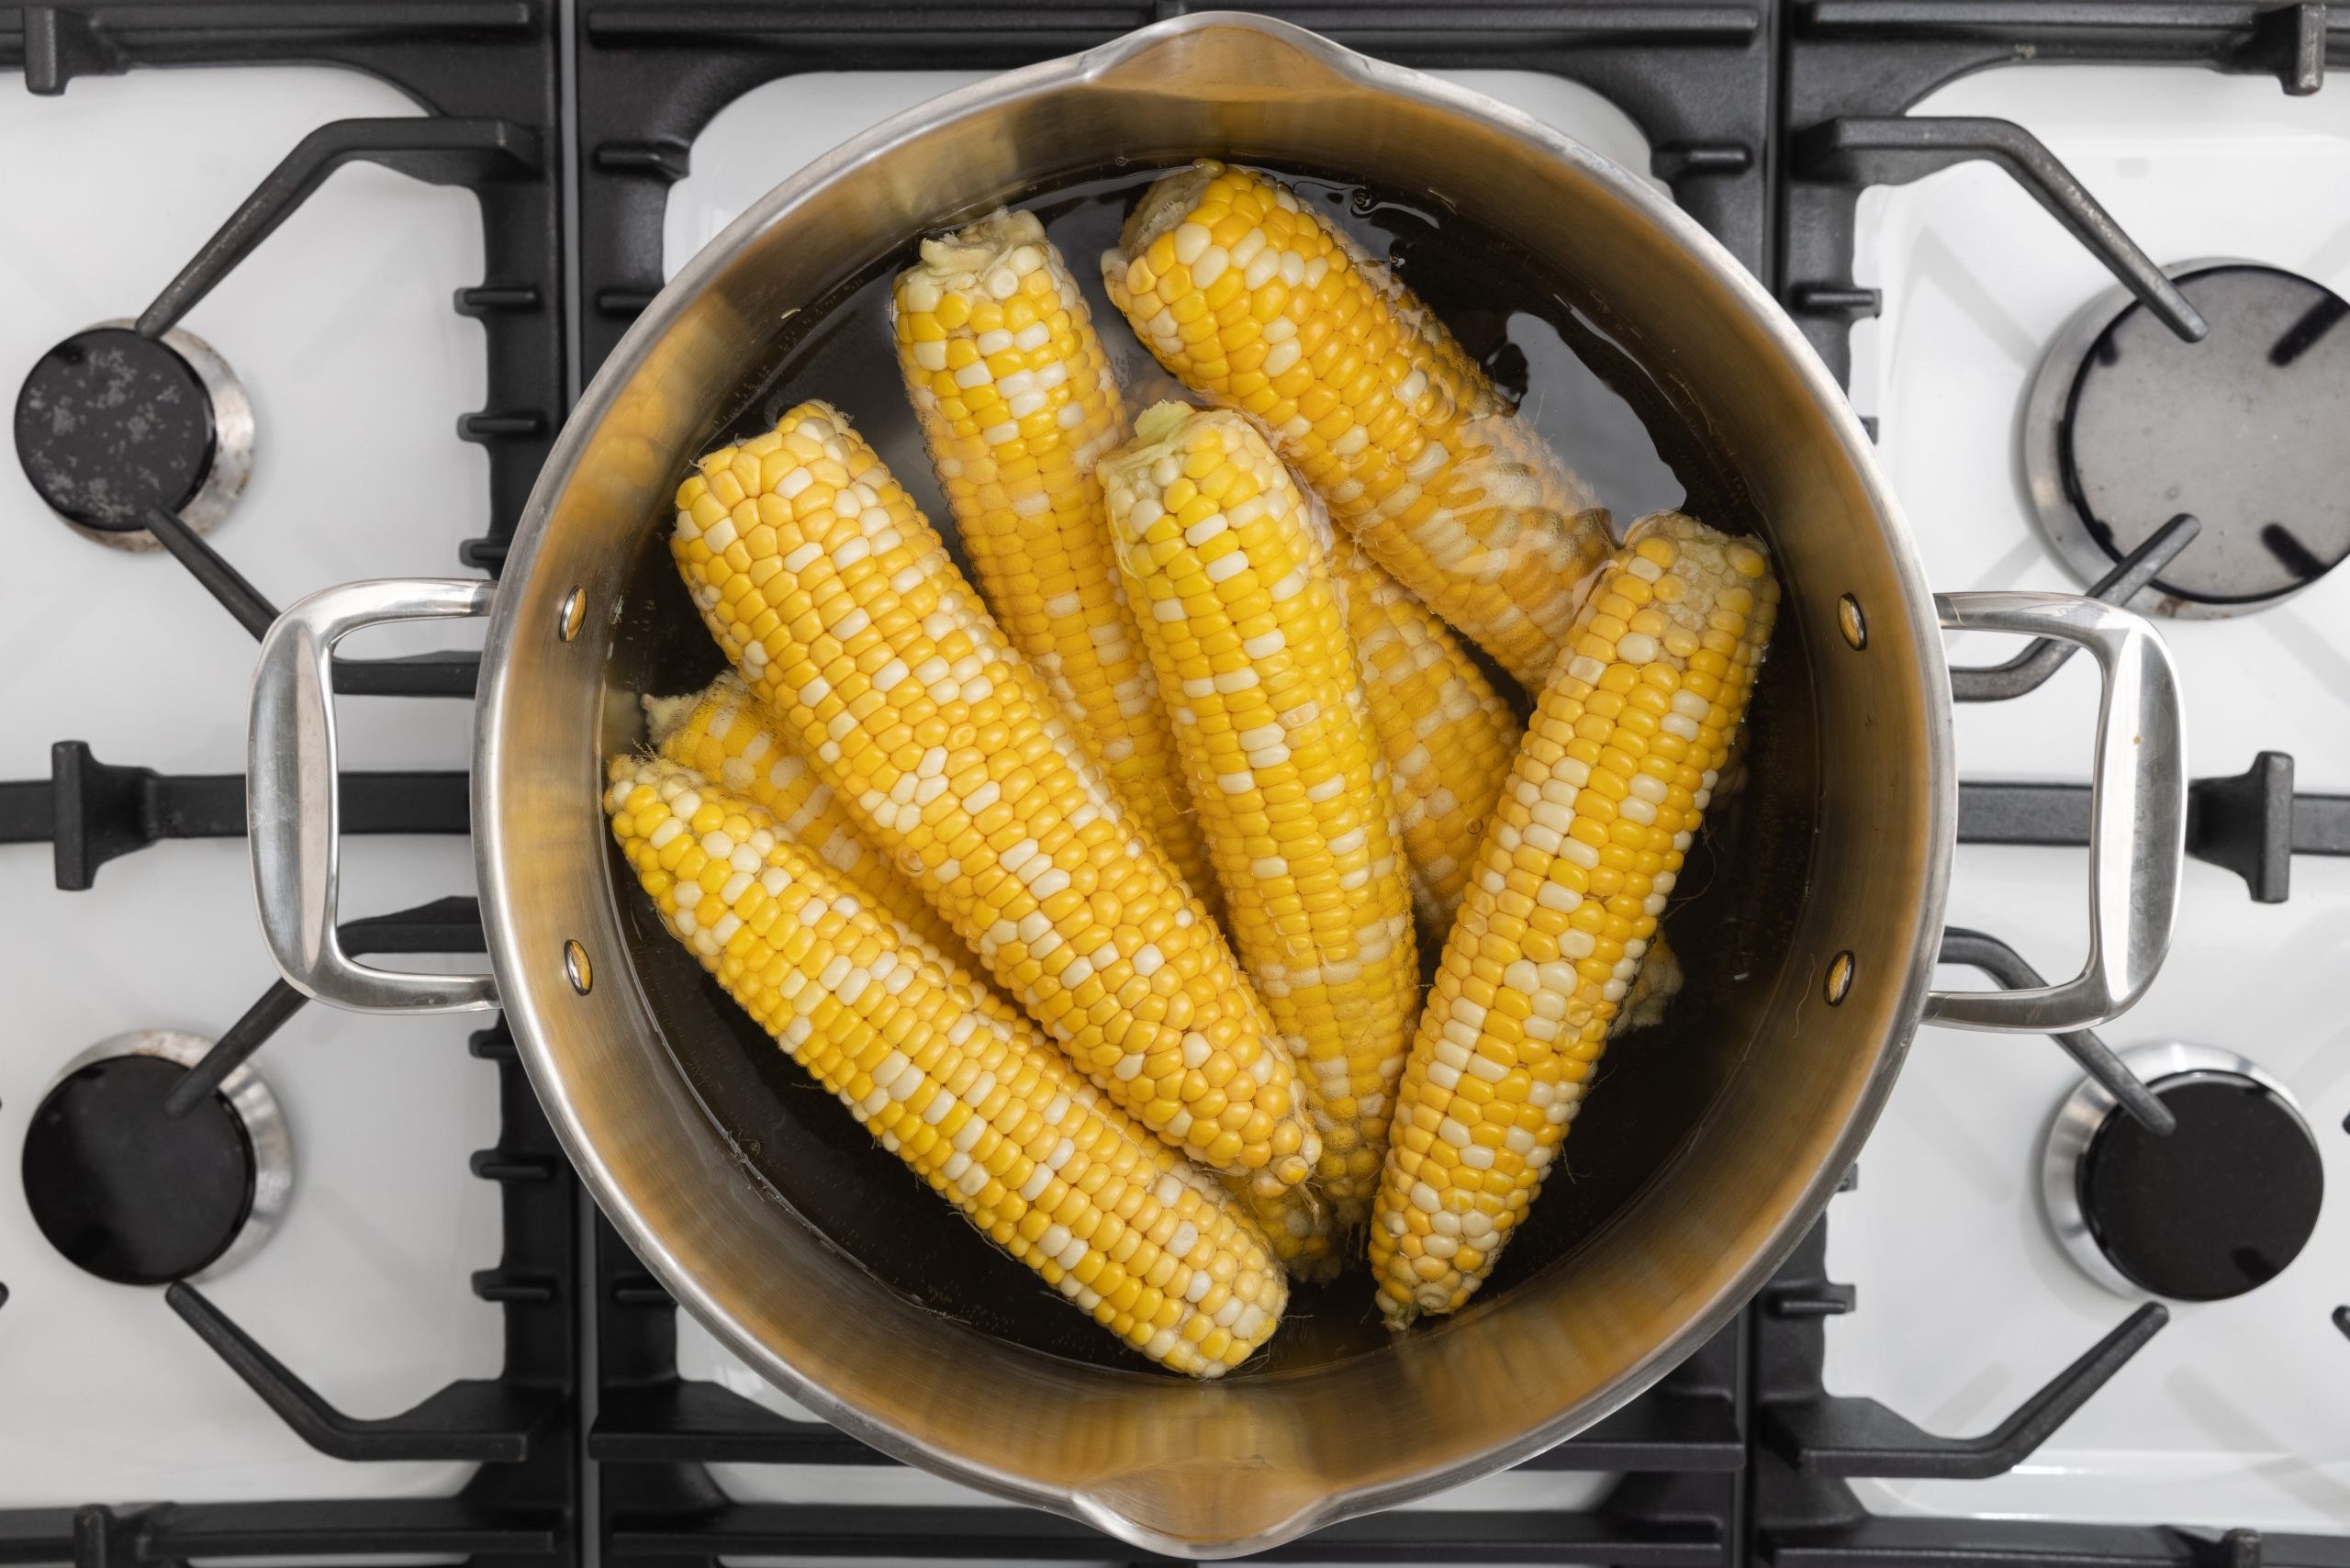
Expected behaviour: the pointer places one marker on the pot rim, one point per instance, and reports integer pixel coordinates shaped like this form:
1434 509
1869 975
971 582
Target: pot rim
596 404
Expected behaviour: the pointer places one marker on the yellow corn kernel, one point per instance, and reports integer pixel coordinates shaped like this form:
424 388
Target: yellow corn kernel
1366 393
837 602
1014 437
722 733
1610 785
948 1077
1447 733
1245 626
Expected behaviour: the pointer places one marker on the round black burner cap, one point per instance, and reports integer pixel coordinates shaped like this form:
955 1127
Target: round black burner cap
124 1191
2217 1208
2244 430
109 424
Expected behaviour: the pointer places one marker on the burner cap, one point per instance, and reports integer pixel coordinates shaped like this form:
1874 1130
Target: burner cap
2129 425
2217 1208
136 1197
110 423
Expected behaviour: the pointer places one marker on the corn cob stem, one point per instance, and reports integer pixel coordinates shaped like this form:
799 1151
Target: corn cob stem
970 1095
1302 1229
838 604
1245 628
1018 402
1255 301
722 733
1653 987
1447 733
1610 784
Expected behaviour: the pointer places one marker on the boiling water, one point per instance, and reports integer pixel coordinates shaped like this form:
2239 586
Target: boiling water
1575 374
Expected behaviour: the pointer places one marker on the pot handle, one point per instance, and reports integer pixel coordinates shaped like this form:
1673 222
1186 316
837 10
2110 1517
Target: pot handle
2137 813
291 788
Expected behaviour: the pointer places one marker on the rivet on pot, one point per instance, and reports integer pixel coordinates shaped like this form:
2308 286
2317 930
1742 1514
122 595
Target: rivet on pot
1839 977
575 965
1849 622
574 616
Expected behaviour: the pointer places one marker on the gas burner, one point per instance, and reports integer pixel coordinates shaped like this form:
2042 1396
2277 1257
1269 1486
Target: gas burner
138 1197
2217 1208
110 423
2126 426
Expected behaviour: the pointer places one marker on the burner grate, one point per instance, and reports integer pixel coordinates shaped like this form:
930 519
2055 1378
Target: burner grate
487 70
475 64
520 1505
1684 1444
1695 75
93 811
1853 67
1862 63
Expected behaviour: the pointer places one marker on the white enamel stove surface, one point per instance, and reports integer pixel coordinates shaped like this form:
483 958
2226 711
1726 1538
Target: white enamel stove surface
340 328
2233 1416
756 142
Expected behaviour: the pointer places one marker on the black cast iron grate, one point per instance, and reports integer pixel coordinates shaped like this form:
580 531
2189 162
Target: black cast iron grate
1695 75
522 1506
486 71
1852 68
487 74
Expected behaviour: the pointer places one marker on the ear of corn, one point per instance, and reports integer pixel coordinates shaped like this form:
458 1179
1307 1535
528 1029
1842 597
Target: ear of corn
837 602
674 774
723 733
1259 304
1018 402
1610 784
1245 628
1447 733
969 1095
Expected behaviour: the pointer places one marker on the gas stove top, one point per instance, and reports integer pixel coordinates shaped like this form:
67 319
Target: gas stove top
281 1282
2220 1421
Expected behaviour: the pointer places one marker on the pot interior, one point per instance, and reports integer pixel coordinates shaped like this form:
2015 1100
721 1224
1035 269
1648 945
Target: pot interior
1575 367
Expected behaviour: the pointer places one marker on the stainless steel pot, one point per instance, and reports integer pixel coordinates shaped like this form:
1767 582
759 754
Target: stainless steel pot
805 1254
